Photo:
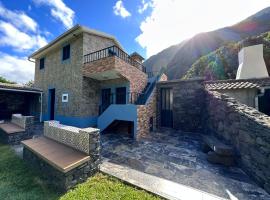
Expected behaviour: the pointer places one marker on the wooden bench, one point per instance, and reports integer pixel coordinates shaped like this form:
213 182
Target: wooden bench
217 151
65 155
18 129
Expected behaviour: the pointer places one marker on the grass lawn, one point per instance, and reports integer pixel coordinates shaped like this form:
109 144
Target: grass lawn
19 182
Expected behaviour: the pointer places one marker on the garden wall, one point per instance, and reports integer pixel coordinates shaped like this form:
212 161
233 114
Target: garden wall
246 129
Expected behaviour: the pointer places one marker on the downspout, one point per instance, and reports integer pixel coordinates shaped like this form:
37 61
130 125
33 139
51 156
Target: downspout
41 112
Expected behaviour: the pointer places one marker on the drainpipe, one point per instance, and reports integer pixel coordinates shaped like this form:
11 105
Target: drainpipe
40 116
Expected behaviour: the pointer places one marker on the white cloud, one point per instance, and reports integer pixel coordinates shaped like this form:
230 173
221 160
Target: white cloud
17 69
18 19
20 41
60 11
172 21
120 10
144 6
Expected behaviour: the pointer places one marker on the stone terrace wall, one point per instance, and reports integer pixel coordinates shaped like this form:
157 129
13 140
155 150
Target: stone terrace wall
246 129
85 140
188 103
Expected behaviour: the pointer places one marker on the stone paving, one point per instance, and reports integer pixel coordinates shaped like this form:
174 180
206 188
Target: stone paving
177 156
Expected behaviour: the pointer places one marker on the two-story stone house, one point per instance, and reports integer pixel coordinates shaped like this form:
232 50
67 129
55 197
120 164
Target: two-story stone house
88 80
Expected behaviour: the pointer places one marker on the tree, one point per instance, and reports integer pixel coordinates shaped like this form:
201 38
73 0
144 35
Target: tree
29 83
3 80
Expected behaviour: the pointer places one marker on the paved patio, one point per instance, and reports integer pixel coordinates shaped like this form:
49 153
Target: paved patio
176 156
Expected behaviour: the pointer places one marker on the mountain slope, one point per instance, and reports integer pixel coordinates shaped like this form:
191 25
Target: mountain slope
179 58
223 62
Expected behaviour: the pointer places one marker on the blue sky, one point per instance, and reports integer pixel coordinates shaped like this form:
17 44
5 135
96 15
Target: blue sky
145 26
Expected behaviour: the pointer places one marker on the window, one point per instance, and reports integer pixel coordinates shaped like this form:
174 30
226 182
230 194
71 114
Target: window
41 63
66 52
65 98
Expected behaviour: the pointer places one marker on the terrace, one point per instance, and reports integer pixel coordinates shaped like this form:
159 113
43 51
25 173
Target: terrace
109 63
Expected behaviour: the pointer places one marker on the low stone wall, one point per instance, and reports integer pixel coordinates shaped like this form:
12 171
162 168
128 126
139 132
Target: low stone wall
84 140
14 138
246 129
59 180
23 121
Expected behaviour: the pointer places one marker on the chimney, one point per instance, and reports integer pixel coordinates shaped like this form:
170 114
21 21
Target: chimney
251 63
137 57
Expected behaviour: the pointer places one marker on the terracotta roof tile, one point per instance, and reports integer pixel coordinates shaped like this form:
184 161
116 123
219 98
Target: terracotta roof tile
237 84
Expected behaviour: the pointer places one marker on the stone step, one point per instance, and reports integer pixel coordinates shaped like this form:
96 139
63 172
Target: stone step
217 146
159 186
215 158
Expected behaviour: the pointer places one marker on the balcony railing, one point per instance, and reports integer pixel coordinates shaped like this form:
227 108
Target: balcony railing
113 51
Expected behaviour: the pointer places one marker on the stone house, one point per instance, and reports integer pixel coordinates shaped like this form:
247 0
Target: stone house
88 79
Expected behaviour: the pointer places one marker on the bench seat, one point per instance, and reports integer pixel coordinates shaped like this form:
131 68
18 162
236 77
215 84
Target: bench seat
58 155
10 128
217 146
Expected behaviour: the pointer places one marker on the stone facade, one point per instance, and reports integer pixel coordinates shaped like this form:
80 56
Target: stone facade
148 111
134 76
66 77
144 114
246 129
188 103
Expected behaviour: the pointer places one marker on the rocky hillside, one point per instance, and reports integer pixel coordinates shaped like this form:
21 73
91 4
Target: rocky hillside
179 58
223 63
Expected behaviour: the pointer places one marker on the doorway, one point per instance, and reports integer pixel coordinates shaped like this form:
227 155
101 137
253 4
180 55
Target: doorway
166 96
121 94
105 99
51 103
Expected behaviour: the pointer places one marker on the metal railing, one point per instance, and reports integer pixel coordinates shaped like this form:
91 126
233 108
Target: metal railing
113 51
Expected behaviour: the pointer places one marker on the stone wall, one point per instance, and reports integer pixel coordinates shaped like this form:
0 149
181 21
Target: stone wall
57 179
245 96
144 113
148 111
113 64
188 103
246 129
83 140
23 121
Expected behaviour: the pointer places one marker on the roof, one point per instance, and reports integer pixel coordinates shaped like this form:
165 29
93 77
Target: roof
19 88
137 54
237 84
74 31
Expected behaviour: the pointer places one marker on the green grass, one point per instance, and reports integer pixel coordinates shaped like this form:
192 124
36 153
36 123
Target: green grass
20 182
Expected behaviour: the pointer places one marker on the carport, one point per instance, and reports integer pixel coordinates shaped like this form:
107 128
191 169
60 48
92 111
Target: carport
16 98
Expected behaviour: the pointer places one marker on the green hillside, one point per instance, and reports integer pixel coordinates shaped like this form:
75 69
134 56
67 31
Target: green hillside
223 62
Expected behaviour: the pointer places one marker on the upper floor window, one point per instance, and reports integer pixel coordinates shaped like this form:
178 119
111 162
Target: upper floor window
41 63
66 52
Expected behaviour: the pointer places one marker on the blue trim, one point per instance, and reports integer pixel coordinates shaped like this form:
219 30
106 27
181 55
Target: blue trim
125 112
81 122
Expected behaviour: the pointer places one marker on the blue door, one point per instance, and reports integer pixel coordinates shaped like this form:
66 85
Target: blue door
166 97
121 95
106 99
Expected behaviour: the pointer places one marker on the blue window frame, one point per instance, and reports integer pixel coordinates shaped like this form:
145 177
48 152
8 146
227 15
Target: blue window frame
41 63
66 52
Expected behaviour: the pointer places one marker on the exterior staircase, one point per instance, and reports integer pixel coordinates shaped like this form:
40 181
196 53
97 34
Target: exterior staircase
127 112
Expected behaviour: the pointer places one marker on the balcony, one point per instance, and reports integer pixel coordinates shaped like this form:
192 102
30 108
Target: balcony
110 63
